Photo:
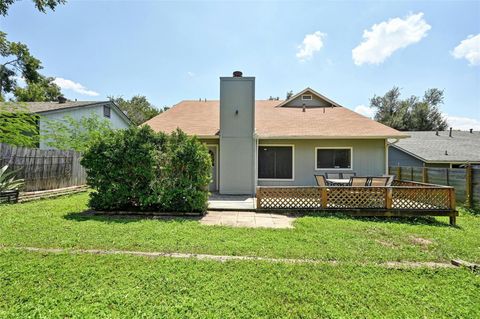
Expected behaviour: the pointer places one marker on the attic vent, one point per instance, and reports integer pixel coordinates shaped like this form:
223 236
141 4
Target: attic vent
306 97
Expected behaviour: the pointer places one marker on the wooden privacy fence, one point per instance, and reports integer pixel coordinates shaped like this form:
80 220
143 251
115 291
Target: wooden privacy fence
403 198
43 169
466 181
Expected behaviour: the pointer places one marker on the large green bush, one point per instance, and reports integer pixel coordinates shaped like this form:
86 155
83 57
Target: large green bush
138 169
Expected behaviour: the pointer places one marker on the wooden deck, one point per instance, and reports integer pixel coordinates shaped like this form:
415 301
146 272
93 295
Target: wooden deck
403 198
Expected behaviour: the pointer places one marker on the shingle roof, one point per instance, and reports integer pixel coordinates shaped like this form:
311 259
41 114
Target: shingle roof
271 121
461 147
39 107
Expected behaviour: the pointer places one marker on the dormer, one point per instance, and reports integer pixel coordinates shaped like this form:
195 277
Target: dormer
309 98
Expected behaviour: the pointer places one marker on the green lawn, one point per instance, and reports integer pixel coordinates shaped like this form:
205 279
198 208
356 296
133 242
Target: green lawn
80 286
60 223
50 285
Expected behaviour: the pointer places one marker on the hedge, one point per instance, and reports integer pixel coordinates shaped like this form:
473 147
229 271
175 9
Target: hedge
139 169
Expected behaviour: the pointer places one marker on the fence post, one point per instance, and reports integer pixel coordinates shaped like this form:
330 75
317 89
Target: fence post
424 175
259 197
468 186
388 198
324 197
399 172
453 206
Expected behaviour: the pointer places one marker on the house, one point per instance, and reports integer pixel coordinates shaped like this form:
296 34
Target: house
274 142
57 110
436 149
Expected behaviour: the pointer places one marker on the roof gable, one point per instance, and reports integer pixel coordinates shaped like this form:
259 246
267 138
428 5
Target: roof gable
318 100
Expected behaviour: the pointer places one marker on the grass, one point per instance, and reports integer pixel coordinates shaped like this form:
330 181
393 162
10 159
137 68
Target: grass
68 285
61 223
95 286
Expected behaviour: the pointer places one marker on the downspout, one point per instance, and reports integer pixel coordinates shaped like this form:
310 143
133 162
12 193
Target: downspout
255 166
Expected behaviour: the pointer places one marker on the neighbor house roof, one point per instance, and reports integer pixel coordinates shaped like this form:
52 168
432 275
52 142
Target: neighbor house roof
202 118
462 147
40 107
44 107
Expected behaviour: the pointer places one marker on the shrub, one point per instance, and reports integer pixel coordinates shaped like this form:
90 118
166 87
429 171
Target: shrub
139 169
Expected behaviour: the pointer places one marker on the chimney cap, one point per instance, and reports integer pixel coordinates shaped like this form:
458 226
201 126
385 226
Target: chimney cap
237 74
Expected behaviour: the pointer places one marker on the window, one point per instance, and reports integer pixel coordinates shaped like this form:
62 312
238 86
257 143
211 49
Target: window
306 97
275 162
106 111
333 158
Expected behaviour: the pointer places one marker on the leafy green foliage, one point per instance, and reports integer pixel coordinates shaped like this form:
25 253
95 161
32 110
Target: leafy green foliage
138 108
8 180
72 134
411 114
41 5
16 61
43 90
17 126
140 169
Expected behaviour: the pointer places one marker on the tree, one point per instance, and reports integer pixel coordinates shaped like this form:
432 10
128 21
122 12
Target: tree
78 135
138 109
42 5
42 91
411 114
17 126
289 95
16 62
273 98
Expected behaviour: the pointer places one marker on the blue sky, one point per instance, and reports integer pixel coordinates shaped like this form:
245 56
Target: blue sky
170 51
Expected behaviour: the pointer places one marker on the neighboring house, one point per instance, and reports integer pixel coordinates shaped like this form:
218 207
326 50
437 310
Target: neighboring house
76 109
436 149
268 142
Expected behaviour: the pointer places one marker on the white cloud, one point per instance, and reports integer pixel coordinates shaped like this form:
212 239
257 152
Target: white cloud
383 39
365 110
469 49
190 74
463 123
74 86
311 44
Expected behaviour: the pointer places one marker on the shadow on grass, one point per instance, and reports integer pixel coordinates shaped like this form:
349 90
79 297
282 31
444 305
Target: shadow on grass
125 218
420 220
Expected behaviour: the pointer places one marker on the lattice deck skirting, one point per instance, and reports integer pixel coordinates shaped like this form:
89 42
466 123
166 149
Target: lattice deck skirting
400 199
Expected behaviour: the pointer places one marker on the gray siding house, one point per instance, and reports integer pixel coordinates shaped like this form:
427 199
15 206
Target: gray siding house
76 109
274 142
436 149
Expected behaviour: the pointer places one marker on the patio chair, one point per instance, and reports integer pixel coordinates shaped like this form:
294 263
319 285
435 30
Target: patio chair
321 181
333 175
379 181
348 175
358 181
390 179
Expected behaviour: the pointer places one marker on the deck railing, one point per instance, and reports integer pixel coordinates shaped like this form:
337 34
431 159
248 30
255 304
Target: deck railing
401 199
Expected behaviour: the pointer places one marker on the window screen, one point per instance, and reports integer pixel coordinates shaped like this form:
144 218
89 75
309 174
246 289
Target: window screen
275 162
334 158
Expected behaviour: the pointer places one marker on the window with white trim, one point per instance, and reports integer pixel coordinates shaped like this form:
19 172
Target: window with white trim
333 158
307 97
275 162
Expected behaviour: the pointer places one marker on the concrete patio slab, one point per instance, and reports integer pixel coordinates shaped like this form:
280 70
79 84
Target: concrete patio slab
246 219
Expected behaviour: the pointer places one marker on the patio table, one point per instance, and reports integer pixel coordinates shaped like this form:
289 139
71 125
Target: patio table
338 181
